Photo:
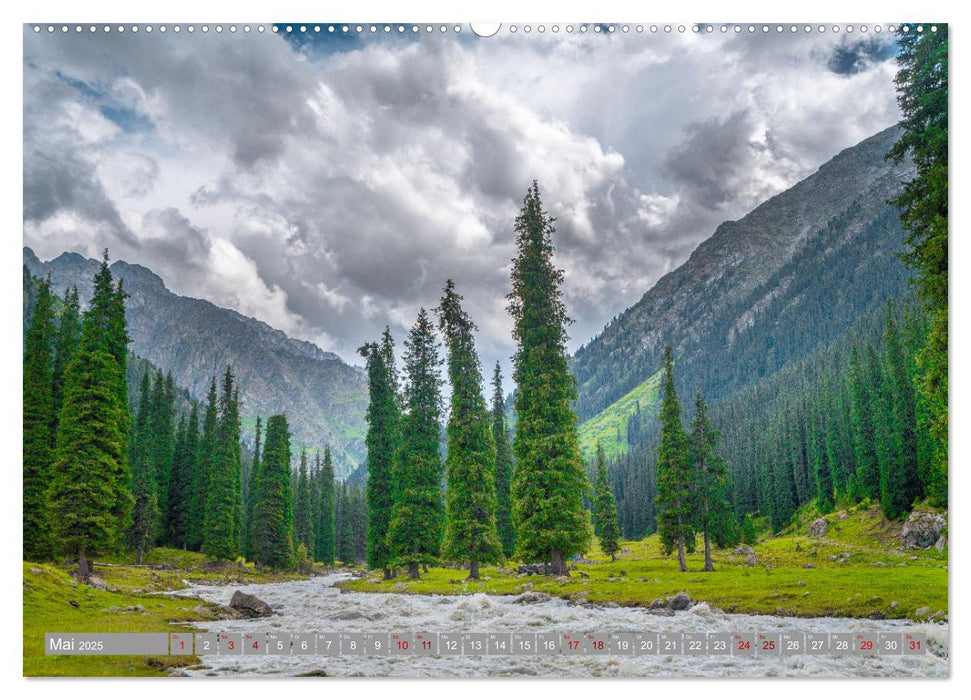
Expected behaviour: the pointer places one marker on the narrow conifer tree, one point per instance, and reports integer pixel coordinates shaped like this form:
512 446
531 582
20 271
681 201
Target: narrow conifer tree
38 426
345 526
383 443
675 502
470 501
605 509
90 494
325 513
251 490
67 341
272 527
711 480
500 435
302 521
145 510
548 481
417 517
898 469
221 533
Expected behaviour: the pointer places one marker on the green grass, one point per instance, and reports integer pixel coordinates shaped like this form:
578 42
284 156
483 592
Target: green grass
49 589
48 592
863 584
610 425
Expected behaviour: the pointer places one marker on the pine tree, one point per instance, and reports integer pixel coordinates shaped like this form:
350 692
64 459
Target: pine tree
345 526
302 521
417 517
205 460
862 406
605 509
90 494
675 502
898 468
162 435
922 94
272 527
383 443
504 523
325 513
68 338
180 483
548 481
38 425
711 480
144 528
223 502
470 463
251 491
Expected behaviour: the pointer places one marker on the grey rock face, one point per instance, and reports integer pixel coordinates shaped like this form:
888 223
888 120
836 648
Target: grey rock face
922 530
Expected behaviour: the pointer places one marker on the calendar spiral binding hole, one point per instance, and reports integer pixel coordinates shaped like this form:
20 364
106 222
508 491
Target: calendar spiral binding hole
376 29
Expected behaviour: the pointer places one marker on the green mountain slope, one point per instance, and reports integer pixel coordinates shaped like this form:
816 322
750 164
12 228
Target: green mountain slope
763 291
610 426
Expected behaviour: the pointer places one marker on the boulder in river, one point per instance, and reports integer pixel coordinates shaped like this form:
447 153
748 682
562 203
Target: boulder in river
249 605
679 601
922 530
531 598
819 527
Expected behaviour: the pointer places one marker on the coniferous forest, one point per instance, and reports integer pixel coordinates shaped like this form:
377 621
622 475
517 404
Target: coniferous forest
117 461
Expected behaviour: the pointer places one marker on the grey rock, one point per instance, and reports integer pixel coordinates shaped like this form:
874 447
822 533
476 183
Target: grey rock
373 580
922 530
679 601
657 604
941 543
249 605
808 566
819 527
744 549
97 582
921 612
349 615
751 560
531 598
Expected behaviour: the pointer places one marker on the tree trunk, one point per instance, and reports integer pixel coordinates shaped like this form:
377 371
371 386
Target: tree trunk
413 570
473 570
82 566
138 558
424 568
558 564
682 564
613 556
708 564
388 574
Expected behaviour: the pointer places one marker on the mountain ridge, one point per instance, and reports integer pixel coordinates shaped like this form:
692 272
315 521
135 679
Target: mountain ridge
194 339
729 301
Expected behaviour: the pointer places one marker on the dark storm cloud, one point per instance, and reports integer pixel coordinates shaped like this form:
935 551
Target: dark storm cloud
854 57
329 186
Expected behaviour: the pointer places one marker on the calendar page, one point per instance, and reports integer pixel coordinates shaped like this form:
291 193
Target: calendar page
518 350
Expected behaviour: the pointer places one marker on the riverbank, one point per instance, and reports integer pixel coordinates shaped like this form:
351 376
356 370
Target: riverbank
857 570
123 598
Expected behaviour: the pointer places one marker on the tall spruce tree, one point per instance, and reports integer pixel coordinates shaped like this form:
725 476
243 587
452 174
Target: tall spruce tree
417 517
67 340
325 512
272 527
711 480
223 502
180 482
470 462
38 425
605 508
548 481
302 521
345 526
90 495
922 94
251 485
206 458
500 435
144 528
899 485
675 478
383 442
862 410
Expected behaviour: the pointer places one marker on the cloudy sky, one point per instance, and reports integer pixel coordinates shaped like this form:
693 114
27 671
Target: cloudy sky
328 185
